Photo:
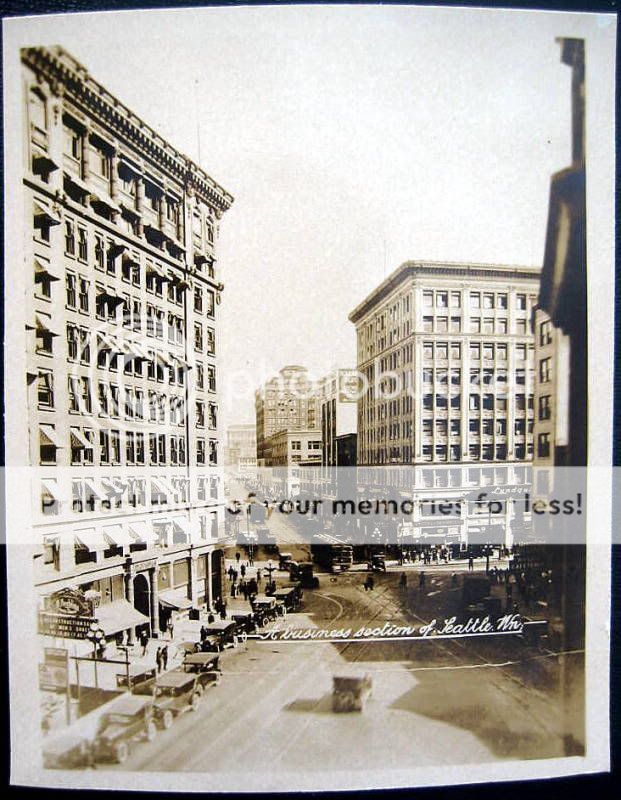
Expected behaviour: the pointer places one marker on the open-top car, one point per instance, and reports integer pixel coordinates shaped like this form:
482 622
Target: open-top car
128 719
175 692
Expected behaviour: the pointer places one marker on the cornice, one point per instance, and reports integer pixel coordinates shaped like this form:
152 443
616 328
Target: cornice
66 76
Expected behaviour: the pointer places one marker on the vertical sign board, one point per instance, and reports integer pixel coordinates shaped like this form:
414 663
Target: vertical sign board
54 671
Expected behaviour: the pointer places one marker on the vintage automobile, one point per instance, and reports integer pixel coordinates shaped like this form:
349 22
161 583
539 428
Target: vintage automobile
175 692
206 666
138 675
265 609
221 633
377 563
126 721
284 559
245 621
303 574
67 752
350 692
291 596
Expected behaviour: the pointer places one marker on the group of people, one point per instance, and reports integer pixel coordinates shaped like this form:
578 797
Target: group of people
161 658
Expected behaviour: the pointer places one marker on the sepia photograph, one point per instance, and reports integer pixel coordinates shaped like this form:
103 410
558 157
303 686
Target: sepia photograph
308 390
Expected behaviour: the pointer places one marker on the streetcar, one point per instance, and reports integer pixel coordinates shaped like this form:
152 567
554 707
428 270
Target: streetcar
330 553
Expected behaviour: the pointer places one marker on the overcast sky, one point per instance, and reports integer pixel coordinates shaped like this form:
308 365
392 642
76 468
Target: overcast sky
353 139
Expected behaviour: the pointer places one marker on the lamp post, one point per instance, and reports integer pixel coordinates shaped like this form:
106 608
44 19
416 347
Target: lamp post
97 636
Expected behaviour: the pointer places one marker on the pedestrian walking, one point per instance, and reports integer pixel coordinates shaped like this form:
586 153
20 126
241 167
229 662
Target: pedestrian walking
258 576
237 557
251 559
158 659
421 580
210 617
230 571
223 610
203 633
144 641
403 581
164 656
233 590
470 564
242 570
170 628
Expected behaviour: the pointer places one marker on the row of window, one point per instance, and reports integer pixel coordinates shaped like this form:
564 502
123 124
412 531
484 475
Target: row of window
486 300
446 453
111 398
163 449
487 350
488 426
484 325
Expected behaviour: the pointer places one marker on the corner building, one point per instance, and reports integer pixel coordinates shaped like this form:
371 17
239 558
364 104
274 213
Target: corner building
447 354
120 286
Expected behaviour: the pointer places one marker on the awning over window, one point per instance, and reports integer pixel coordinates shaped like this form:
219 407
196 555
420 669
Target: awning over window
44 268
78 440
77 182
116 535
175 598
182 524
113 485
43 324
91 539
154 269
94 489
44 216
160 487
49 436
42 164
142 531
101 199
119 616
51 488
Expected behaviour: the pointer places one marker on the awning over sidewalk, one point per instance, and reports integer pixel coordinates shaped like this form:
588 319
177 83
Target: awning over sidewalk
175 598
119 616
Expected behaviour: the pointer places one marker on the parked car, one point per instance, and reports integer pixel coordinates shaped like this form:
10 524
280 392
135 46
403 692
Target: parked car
265 609
291 596
221 633
139 674
284 559
127 720
67 752
246 622
175 692
206 666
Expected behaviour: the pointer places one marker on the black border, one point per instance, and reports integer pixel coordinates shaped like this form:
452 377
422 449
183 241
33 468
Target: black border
598 785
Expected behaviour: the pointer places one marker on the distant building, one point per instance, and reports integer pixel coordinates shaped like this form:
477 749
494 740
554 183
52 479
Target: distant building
241 447
286 402
286 452
339 413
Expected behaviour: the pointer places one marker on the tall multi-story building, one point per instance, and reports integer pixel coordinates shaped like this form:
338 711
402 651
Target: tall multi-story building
241 447
446 351
286 402
120 288
339 416
551 430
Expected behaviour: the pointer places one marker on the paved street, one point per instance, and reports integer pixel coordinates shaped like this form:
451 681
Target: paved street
446 702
